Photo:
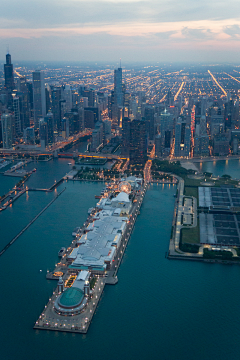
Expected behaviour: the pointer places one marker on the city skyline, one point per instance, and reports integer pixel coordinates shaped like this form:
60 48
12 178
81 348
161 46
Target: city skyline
108 30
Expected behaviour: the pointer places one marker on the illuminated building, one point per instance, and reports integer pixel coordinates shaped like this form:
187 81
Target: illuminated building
138 142
39 97
7 130
8 74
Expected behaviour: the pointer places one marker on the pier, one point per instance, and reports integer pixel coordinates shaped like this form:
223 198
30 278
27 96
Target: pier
50 319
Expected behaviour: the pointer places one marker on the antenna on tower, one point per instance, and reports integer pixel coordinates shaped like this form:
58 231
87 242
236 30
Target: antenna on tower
7 48
120 62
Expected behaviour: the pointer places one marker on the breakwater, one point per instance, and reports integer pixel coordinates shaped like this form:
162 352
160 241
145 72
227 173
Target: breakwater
29 224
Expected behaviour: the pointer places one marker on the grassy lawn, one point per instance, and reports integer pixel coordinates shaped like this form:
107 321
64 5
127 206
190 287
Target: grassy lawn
191 191
191 236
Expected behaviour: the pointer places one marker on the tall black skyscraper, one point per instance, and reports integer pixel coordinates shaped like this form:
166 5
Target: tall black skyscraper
8 73
138 143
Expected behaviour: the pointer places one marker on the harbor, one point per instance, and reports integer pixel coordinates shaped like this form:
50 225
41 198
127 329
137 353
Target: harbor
133 308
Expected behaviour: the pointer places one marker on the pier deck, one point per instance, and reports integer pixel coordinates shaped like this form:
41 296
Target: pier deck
50 320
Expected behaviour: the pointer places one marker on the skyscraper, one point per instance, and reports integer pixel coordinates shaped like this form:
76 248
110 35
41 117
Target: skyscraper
7 130
17 118
8 73
39 98
118 91
138 143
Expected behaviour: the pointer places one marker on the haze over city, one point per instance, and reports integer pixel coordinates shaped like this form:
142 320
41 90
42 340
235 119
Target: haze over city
152 30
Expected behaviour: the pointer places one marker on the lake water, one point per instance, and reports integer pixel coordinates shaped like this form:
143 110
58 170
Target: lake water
160 309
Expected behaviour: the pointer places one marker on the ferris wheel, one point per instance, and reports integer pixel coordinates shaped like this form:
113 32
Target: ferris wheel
124 186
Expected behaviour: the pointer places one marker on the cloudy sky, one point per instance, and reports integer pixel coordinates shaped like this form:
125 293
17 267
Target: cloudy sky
153 30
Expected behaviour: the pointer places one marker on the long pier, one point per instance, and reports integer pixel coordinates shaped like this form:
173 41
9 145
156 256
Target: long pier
50 320
29 224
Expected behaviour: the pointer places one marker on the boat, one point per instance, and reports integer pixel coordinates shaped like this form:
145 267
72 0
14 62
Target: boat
76 231
98 197
90 210
69 163
61 251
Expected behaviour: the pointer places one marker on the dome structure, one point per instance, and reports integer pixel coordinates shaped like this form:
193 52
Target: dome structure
70 302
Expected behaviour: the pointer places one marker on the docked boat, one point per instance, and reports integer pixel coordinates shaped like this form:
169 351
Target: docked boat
76 231
98 196
90 210
61 251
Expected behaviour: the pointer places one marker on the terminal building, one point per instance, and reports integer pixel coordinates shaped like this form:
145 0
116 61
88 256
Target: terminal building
97 247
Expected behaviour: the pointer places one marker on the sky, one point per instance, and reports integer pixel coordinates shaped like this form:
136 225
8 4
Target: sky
96 30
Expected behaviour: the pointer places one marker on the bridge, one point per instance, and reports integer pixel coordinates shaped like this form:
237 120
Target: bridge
92 154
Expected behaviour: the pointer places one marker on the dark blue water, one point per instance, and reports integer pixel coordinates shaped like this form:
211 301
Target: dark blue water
160 309
221 167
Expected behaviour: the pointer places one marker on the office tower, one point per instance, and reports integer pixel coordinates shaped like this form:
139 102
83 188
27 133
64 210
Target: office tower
65 127
138 143
149 118
90 94
48 98
56 97
203 125
187 141
29 135
81 118
73 121
8 74
158 145
24 102
107 126
177 146
203 106
83 102
118 87
67 96
169 98
166 122
39 97
220 145
97 136
215 124
125 136
17 118
7 130
50 127
43 133
182 139
89 119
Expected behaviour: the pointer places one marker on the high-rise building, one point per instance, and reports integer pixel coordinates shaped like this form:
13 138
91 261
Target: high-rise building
138 142
43 133
50 127
8 74
29 135
125 136
17 118
7 130
150 125
56 97
39 97
118 87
